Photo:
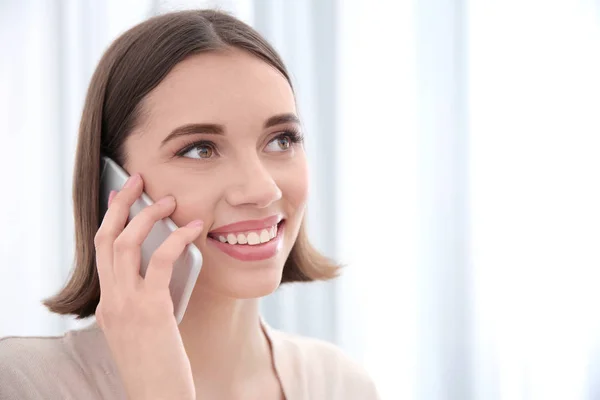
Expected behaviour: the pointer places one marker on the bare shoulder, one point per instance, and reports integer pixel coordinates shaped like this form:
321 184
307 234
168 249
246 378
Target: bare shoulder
325 362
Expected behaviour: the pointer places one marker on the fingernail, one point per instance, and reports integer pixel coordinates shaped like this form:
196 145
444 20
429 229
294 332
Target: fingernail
166 201
196 224
111 196
133 179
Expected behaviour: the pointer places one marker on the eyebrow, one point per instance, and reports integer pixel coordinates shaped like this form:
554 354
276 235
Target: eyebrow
216 129
282 119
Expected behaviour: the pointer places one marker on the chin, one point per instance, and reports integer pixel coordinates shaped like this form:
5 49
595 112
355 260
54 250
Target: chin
249 280
255 287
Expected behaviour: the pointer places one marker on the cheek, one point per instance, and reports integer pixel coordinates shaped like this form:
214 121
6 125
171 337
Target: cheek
194 200
293 182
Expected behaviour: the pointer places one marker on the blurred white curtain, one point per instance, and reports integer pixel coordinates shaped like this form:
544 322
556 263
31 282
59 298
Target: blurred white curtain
455 171
468 185
534 122
49 51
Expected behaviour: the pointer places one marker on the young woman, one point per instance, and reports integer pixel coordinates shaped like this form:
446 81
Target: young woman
200 111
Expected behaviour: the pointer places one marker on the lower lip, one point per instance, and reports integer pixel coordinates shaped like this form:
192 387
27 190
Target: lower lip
246 252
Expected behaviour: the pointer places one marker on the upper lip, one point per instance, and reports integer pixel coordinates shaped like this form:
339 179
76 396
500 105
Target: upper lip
250 225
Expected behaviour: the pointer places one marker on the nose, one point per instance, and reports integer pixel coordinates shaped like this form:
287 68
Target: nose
254 186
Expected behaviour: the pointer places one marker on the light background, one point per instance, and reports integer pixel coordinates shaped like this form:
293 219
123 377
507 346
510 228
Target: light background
455 160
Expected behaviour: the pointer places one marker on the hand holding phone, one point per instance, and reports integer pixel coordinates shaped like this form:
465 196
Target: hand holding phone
187 267
135 312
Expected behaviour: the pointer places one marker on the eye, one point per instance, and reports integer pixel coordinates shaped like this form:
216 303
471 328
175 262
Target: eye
280 143
283 142
199 150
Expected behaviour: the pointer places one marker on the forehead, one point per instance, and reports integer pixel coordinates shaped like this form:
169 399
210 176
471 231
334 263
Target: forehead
226 87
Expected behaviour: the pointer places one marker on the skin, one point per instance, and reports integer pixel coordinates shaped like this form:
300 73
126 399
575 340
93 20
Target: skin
253 172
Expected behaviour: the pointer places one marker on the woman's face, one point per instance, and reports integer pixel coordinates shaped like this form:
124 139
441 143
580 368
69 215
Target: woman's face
220 134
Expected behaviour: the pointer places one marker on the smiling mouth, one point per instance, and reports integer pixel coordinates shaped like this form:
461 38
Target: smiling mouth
250 237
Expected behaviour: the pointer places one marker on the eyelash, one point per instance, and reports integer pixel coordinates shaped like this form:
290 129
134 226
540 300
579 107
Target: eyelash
294 136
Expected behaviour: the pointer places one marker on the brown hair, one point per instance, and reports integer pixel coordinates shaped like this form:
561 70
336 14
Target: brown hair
132 66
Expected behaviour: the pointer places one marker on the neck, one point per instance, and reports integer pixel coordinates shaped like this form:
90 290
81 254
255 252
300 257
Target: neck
224 340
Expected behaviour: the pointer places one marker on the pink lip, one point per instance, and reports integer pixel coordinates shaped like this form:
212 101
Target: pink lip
244 226
245 252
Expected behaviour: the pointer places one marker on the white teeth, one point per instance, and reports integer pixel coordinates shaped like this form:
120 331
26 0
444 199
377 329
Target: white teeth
241 238
253 238
264 236
232 239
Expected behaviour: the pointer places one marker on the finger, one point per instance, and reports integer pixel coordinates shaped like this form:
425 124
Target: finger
111 226
127 246
160 269
111 196
104 261
117 214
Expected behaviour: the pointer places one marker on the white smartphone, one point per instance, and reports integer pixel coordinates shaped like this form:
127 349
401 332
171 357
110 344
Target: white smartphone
187 267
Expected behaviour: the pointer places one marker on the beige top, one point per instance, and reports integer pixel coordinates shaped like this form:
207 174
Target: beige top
78 366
